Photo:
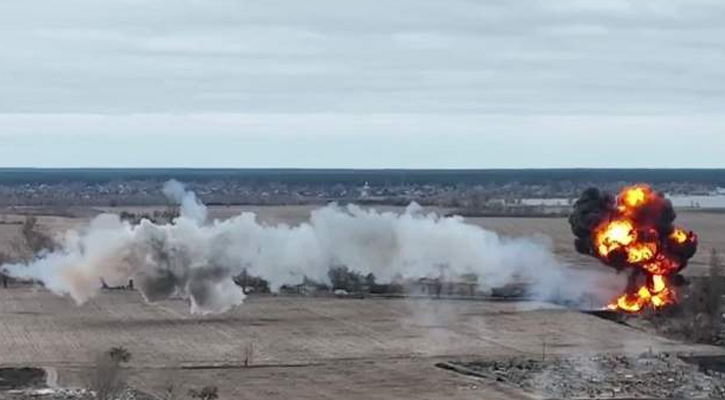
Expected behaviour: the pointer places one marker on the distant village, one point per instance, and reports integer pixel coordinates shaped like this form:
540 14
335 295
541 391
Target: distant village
490 197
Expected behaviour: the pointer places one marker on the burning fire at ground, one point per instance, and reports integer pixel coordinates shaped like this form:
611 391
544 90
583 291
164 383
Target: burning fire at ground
635 231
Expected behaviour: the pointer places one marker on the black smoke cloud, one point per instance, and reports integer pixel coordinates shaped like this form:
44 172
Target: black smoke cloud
654 222
590 210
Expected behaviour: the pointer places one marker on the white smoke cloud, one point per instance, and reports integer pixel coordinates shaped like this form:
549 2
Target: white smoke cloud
191 206
196 258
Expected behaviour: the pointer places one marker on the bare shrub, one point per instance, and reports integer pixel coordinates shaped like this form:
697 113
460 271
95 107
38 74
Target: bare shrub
174 386
716 289
4 258
32 241
251 284
120 354
248 354
108 379
345 279
172 212
705 305
699 316
206 393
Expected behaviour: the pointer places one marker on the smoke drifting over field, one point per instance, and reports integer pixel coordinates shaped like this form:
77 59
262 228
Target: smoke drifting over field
197 258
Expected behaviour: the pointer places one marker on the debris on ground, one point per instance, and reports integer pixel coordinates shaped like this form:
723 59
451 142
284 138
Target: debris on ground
652 375
69 394
50 394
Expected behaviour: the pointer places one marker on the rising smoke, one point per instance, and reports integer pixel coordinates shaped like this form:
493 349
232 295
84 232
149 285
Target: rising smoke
196 258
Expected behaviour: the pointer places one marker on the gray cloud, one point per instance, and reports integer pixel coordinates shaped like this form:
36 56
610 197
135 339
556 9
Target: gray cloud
405 56
405 83
371 141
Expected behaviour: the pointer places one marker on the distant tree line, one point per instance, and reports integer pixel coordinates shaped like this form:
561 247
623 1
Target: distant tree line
13 176
156 217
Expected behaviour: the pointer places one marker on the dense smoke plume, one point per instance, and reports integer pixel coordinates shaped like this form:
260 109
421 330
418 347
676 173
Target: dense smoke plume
196 258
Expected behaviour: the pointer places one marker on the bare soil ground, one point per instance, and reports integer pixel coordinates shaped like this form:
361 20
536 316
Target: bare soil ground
313 348
310 347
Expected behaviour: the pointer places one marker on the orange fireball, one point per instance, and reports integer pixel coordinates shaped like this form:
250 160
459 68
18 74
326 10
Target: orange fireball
655 294
679 236
615 235
632 236
635 196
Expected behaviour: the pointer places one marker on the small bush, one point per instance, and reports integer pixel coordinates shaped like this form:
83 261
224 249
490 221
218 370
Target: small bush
248 354
32 241
173 388
119 354
107 379
206 393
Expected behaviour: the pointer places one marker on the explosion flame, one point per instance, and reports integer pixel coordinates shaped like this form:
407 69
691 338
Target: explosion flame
635 231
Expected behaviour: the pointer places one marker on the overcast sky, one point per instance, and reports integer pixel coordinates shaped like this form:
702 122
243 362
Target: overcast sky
368 83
